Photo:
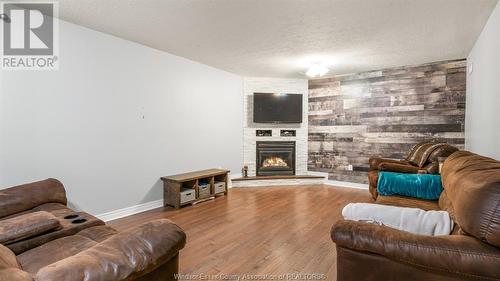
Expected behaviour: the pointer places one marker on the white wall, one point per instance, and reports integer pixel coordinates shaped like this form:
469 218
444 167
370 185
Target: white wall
482 124
115 118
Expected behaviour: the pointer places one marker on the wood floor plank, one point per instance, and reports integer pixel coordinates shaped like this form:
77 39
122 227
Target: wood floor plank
261 230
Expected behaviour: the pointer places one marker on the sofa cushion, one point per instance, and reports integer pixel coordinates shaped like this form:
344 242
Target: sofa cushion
472 185
400 168
67 228
98 233
62 248
408 202
36 258
27 225
123 256
421 186
374 162
423 153
28 196
417 154
442 151
411 154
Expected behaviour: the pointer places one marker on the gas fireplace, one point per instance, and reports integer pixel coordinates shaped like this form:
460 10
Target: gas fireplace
275 158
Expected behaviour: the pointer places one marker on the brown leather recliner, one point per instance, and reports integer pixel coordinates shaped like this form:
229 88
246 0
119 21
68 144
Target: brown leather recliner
422 159
472 252
42 239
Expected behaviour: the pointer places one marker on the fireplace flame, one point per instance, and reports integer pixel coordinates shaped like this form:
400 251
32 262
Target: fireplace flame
274 162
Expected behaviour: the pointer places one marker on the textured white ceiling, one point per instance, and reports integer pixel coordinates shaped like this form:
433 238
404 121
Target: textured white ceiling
280 38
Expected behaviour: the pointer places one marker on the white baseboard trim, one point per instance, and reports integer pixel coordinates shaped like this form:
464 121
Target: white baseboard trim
120 213
231 177
346 184
320 174
339 183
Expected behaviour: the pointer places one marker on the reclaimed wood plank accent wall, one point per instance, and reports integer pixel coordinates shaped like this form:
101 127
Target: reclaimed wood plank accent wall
383 113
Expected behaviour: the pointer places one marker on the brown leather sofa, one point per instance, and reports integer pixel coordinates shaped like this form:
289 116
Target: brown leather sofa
472 252
422 159
42 239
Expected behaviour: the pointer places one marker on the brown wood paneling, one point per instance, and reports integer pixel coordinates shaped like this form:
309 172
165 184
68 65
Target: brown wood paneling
383 113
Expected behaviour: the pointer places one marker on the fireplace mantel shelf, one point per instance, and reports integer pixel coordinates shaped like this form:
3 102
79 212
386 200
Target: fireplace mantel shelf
277 177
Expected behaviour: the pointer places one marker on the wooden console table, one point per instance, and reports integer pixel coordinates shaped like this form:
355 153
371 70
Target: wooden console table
174 185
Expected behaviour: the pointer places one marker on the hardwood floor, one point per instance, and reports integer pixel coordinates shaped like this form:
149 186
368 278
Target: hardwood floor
261 230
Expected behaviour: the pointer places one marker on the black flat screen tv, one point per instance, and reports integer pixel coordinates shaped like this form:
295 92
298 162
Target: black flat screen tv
277 108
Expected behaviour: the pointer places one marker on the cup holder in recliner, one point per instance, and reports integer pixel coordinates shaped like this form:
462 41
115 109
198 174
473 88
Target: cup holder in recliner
77 221
70 217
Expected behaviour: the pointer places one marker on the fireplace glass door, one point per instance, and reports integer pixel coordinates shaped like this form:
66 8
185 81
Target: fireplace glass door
275 158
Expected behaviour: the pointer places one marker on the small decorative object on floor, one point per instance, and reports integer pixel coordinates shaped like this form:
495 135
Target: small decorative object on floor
244 171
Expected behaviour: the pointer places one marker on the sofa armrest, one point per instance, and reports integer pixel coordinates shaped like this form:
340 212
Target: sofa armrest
26 226
126 255
457 254
14 274
374 162
400 168
9 267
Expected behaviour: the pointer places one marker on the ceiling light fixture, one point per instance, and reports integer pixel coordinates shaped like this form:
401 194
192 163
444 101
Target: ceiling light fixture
316 70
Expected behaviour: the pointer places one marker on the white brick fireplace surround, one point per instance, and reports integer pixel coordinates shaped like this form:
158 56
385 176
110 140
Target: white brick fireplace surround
274 85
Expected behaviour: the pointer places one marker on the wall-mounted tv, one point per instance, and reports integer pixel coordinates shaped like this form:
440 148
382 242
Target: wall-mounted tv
277 108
